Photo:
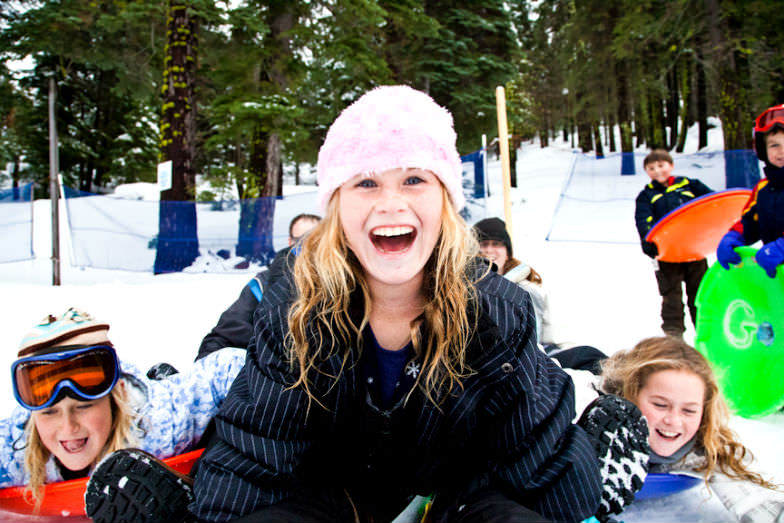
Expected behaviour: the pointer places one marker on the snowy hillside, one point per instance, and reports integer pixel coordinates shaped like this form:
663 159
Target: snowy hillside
601 294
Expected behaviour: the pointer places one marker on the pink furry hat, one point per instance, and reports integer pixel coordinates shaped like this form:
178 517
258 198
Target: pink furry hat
390 127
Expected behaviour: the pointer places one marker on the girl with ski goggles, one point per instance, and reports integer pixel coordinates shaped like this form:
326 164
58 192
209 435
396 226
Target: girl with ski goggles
67 378
84 373
80 404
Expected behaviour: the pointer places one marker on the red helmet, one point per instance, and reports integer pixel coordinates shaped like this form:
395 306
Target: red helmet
772 117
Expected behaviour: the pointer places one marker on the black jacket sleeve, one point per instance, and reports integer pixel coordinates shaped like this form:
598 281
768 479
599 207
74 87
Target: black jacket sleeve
643 214
235 325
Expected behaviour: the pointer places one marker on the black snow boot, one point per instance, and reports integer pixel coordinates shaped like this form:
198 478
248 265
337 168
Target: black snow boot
619 435
131 485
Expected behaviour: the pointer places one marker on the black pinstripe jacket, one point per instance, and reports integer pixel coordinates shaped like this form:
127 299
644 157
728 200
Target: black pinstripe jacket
510 426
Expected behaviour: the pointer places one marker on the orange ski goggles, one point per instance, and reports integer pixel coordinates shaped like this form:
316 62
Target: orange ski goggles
88 373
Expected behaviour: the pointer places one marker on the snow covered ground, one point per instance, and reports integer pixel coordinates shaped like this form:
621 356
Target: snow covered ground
601 294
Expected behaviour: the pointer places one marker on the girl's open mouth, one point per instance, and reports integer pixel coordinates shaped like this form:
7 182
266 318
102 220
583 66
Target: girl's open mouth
393 239
668 435
74 445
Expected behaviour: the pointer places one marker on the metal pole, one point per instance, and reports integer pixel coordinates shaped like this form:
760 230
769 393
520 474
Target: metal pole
54 191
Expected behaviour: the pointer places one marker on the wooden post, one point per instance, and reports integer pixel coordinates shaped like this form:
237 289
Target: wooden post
54 192
503 147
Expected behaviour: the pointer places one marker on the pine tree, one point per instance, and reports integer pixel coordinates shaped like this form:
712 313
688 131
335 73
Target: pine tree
99 54
178 243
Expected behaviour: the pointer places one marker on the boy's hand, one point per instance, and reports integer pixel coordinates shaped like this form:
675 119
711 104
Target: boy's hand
650 249
725 253
770 256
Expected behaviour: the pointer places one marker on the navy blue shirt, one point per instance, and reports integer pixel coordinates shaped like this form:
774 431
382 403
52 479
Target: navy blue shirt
385 373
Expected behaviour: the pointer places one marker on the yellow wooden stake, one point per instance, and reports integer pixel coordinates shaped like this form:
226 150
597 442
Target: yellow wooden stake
503 147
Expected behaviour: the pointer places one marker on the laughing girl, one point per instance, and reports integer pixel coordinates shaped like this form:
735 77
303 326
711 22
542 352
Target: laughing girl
78 403
392 362
677 392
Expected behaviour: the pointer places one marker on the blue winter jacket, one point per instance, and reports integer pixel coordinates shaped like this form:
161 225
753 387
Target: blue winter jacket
509 427
172 412
763 214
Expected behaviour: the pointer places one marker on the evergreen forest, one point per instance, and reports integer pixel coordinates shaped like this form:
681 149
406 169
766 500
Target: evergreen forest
234 91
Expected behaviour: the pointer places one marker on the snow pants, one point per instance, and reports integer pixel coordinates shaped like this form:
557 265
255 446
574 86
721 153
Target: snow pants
671 277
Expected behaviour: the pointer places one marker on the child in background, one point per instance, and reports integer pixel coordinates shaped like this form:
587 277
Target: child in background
235 325
496 245
763 215
663 194
676 390
392 363
79 403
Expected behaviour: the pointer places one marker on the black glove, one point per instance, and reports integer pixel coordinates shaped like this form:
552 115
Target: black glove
650 249
619 435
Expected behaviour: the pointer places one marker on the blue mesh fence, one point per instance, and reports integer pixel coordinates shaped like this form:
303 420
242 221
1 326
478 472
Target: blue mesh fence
16 223
474 186
115 233
597 201
110 232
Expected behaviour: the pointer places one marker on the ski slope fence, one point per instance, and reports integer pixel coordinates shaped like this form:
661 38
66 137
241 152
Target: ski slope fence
16 223
598 198
110 232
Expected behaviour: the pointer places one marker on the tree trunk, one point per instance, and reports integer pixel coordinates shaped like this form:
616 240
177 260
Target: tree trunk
686 108
702 101
15 178
624 119
740 165
673 96
104 113
656 122
610 128
597 136
178 243
266 162
513 164
641 121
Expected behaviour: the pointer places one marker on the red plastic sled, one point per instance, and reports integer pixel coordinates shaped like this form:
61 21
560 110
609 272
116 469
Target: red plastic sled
694 230
66 498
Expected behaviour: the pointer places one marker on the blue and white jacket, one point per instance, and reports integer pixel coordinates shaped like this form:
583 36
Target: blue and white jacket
172 413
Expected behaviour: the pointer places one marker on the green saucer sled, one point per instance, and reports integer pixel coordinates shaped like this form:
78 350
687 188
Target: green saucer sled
740 330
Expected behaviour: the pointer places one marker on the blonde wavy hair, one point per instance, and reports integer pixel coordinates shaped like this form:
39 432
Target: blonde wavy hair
327 272
625 374
121 435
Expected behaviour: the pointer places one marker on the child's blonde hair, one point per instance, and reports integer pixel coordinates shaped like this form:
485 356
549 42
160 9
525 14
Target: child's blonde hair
625 374
326 273
121 435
